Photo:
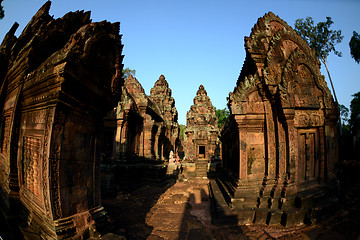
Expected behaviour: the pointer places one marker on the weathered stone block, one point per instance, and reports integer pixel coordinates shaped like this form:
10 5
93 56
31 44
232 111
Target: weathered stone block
261 215
245 216
274 217
293 217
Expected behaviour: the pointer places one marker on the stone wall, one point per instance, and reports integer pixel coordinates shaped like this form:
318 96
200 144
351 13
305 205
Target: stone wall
61 77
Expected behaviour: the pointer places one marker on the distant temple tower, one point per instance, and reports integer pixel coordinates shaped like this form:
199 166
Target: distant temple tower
201 141
139 135
146 126
160 94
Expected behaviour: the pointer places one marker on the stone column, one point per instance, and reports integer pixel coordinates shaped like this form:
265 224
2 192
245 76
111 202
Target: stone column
322 160
121 135
292 154
142 110
156 141
242 155
271 141
331 137
147 137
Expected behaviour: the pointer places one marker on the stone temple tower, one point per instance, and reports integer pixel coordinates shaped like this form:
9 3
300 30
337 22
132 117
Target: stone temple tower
201 141
161 95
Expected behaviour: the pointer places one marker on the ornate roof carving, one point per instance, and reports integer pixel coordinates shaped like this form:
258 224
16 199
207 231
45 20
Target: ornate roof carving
277 57
161 95
202 113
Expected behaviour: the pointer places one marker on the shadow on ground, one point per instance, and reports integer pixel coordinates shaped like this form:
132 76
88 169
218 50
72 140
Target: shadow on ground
128 209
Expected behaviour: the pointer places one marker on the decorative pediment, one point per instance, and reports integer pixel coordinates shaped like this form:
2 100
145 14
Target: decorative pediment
201 113
281 66
161 95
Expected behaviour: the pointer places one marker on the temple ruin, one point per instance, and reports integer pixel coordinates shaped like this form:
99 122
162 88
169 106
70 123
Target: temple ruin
58 80
140 133
169 134
72 128
280 144
202 136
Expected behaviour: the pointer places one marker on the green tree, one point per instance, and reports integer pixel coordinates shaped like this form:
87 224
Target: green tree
2 13
222 115
321 39
344 114
355 46
182 131
127 71
355 113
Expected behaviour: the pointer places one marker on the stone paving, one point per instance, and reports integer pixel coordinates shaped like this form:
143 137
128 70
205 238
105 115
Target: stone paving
181 210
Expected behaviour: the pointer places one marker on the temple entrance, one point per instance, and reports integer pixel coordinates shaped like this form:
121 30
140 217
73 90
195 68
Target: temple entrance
201 151
308 155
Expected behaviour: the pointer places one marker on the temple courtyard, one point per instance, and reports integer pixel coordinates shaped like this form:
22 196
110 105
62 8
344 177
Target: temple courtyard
85 153
181 210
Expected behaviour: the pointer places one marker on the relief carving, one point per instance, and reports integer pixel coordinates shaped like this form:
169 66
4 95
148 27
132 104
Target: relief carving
45 171
54 159
309 119
5 131
31 161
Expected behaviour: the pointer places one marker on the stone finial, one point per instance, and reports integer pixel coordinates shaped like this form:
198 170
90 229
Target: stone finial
161 82
201 91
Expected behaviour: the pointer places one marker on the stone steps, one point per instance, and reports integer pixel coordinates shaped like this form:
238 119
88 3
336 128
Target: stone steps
314 207
201 167
220 211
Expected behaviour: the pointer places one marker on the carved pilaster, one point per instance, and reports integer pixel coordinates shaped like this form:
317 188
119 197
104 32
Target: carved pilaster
54 161
121 136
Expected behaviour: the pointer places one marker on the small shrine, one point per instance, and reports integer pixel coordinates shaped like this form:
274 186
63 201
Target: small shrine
280 143
201 135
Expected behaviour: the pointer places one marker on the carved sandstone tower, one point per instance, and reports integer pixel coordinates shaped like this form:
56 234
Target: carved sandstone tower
280 145
143 130
161 95
201 134
147 126
59 78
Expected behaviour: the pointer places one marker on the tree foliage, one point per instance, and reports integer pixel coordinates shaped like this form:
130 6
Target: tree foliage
182 131
355 113
319 37
127 71
344 113
2 13
355 46
222 115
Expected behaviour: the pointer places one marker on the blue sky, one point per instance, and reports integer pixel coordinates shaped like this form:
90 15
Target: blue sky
201 42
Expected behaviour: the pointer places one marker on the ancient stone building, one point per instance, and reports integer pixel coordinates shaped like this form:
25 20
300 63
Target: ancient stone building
146 126
143 131
280 144
138 122
161 95
58 79
201 141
